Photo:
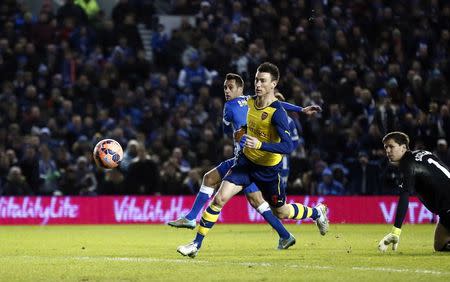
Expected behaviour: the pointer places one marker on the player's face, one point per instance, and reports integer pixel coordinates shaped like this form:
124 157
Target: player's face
394 151
231 90
264 83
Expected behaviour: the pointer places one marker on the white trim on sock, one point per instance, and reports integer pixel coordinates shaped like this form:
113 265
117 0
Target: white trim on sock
263 207
207 190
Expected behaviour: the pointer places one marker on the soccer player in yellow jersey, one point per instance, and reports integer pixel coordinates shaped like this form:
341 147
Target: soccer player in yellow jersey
267 139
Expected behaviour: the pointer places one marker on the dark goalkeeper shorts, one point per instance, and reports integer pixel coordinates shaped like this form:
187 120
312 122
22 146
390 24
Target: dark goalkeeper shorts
444 219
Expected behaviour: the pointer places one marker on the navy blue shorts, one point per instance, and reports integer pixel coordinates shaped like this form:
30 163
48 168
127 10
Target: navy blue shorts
267 179
225 166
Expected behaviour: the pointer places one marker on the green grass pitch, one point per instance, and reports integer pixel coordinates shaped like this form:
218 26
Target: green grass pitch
229 253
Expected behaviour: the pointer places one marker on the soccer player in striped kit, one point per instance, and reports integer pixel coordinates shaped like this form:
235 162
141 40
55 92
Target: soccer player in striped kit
266 141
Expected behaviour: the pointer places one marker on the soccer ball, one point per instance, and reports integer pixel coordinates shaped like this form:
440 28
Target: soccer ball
107 153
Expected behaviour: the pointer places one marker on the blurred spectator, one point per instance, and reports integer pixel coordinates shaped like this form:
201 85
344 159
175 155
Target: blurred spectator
81 146
159 46
106 35
113 183
86 183
442 151
340 174
43 31
5 165
71 11
74 129
16 183
129 31
371 142
443 122
194 74
177 158
365 176
12 158
120 11
29 165
205 13
130 153
48 172
68 183
171 178
386 114
82 40
332 142
72 78
328 185
192 182
63 157
143 175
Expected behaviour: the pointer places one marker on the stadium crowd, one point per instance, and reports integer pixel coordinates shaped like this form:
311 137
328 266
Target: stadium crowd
71 76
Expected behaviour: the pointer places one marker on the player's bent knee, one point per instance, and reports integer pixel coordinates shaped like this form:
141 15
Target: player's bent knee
220 201
255 200
253 203
209 179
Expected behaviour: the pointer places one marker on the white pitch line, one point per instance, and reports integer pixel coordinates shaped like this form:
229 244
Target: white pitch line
388 269
262 264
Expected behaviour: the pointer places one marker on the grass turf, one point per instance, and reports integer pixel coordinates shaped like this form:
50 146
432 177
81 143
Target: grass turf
230 252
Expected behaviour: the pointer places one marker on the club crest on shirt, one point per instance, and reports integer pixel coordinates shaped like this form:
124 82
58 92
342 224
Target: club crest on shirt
264 115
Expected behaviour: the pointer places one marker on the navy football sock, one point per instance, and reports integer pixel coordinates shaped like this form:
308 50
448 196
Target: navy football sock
202 197
199 239
276 224
268 215
199 203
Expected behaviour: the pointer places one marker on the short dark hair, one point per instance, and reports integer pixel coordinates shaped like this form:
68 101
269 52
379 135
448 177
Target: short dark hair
270 68
398 137
236 77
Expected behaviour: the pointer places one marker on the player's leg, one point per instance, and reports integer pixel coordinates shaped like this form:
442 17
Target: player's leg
210 216
276 196
210 183
442 234
256 200
298 211
236 178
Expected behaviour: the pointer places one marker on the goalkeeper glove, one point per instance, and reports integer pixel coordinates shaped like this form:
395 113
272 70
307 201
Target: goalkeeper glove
392 238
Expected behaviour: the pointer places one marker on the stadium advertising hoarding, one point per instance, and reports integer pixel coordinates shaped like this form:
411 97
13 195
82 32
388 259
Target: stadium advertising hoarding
157 210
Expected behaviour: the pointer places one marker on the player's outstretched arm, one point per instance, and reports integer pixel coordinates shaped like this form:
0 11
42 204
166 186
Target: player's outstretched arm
291 107
309 110
394 236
